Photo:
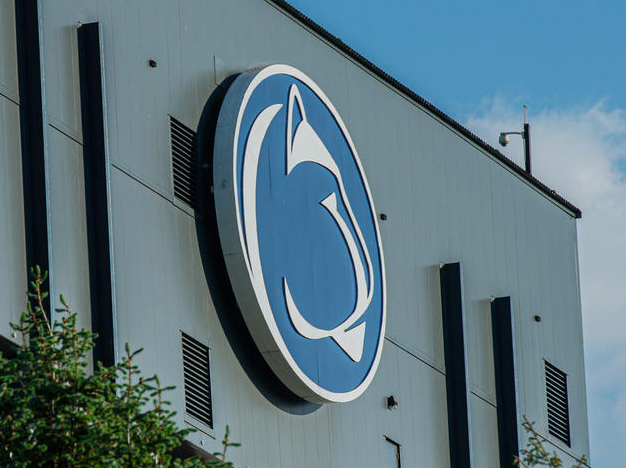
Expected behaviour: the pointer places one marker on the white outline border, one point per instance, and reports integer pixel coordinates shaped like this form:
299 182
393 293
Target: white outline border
265 332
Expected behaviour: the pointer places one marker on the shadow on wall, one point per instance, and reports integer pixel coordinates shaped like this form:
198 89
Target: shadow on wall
235 329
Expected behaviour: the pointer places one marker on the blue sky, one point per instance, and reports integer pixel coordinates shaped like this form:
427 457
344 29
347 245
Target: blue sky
479 62
456 53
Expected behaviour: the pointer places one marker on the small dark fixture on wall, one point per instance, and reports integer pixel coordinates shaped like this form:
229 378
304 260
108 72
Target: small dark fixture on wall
152 63
537 318
383 216
392 403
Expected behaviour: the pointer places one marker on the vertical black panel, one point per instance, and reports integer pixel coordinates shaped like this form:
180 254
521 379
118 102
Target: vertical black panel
504 365
32 134
451 279
96 189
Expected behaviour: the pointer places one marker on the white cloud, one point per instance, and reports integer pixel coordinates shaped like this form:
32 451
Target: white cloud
606 397
578 152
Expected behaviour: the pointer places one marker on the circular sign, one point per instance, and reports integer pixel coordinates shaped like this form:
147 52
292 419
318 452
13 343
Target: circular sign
299 234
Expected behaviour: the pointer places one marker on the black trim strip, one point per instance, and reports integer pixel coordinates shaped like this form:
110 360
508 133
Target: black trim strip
354 55
504 366
451 283
32 135
96 165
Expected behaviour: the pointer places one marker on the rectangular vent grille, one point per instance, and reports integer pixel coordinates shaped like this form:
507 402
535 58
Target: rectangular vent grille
197 378
184 157
558 412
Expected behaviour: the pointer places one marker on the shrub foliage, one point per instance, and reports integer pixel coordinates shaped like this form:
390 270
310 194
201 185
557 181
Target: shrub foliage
54 413
535 454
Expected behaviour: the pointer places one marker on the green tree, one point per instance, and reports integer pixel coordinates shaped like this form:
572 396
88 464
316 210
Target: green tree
534 454
54 413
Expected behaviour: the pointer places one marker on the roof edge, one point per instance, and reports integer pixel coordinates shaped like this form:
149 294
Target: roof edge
382 75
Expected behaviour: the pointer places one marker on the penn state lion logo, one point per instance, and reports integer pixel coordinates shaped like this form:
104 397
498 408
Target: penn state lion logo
289 183
305 146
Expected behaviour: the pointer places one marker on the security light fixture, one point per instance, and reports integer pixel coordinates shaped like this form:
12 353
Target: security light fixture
504 137
392 403
504 140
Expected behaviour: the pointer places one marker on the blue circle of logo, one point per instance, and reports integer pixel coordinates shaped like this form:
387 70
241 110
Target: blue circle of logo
307 232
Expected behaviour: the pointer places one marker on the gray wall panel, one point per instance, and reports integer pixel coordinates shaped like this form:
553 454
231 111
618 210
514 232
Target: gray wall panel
137 94
62 86
13 274
419 391
196 79
157 294
68 229
484 427
8 51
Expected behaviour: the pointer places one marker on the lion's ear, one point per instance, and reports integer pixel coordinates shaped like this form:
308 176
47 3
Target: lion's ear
294 98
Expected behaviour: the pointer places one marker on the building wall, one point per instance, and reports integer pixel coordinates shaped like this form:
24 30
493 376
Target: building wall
447 200
12 237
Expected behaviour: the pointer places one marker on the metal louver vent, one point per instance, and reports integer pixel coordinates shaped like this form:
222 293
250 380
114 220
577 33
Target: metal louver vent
184 157
197 378
558 412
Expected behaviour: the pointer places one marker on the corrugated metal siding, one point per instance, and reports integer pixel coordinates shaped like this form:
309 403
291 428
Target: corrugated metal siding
68 233
484 433
13 273
60 60
8 51
446 200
